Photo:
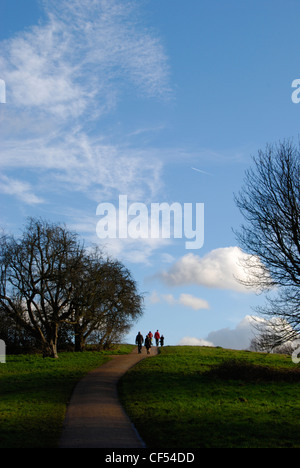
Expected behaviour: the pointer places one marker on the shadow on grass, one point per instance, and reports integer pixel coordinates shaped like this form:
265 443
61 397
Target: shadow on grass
235 404
235 369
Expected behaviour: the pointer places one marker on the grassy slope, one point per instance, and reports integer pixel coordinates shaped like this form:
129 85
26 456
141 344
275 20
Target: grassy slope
180 399
186 398
34 393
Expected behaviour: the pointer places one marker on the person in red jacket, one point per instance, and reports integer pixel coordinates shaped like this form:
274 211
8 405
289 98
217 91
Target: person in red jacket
150 334
157 337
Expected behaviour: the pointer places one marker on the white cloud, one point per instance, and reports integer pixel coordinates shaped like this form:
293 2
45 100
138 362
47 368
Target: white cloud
72 63
190 341
21 190
85 164
154 298
236 338
193 302
62 77
219 269
167 258
186 300
132 250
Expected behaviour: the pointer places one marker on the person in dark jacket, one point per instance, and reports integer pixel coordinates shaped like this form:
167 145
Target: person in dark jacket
139 340
162 339
148 344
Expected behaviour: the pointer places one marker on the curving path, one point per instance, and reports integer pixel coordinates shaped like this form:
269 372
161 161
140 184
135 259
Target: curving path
95 418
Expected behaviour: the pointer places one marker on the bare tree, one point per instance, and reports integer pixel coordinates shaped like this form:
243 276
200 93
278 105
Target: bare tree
270 204
273 335
49 283
107 302
37 279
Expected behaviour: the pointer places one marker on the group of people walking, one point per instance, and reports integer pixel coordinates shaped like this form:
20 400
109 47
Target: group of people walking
159 339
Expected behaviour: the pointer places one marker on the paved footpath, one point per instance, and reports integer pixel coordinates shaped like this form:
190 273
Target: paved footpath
95 417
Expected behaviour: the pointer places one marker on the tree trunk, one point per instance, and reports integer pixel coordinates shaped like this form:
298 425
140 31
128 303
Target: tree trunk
50 350
50 347
79 339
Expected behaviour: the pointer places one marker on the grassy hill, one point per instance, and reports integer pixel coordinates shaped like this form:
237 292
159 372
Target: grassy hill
186 397
197 397
34 393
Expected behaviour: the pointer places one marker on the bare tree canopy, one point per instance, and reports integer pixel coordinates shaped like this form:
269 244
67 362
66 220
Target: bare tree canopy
50 282
270 204
106 303
37 276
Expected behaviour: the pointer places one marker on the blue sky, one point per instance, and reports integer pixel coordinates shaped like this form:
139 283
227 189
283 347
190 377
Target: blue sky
158 100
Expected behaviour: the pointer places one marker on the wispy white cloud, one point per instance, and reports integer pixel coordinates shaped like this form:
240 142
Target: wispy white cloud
22 190
136 251
63 76
186 300
193 302
80 163
81 57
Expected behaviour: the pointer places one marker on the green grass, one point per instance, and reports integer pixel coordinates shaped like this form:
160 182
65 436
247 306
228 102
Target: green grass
186 397
34 393
197 397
